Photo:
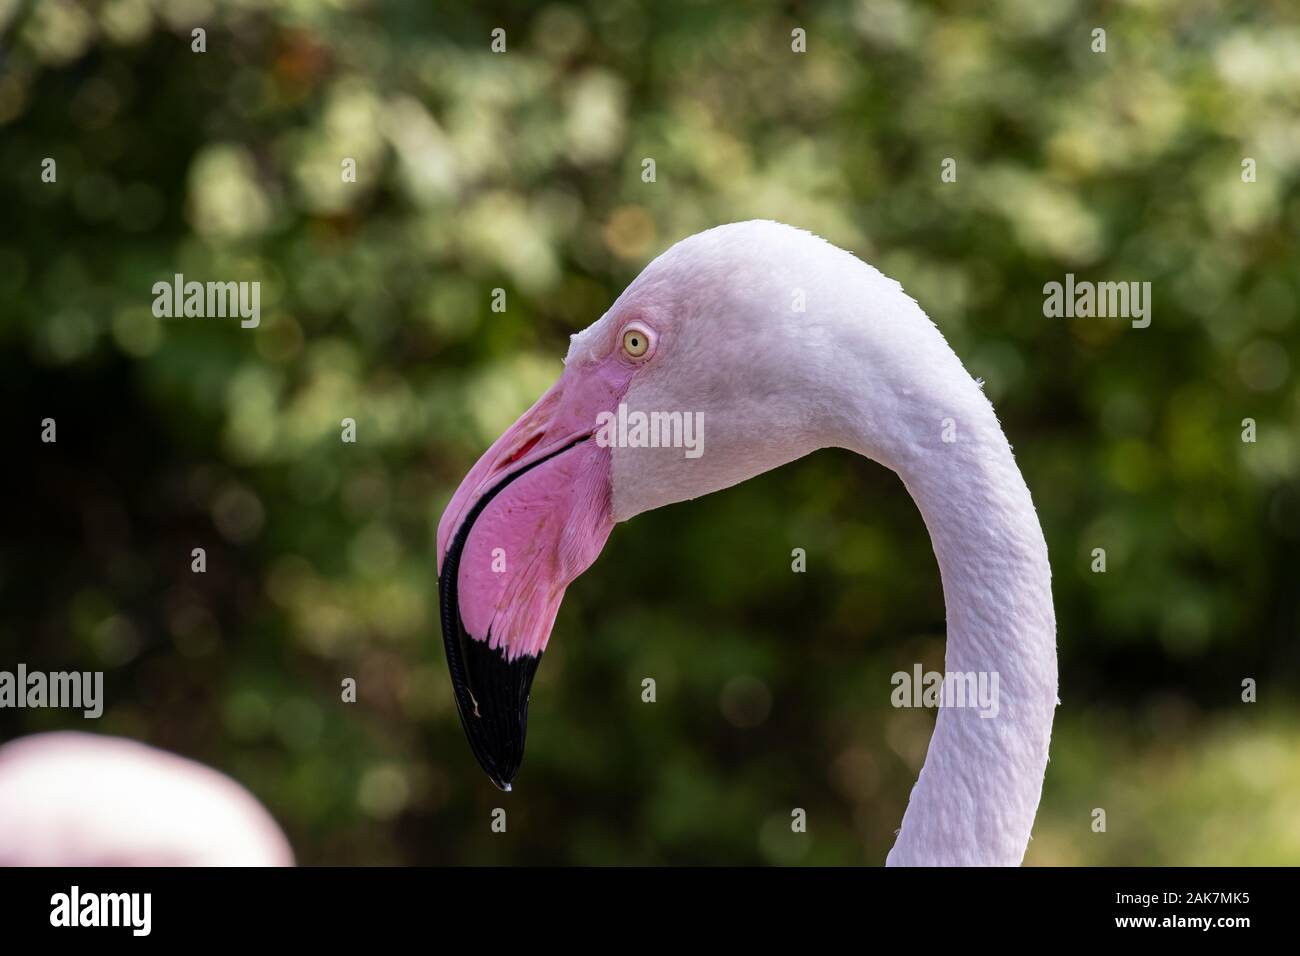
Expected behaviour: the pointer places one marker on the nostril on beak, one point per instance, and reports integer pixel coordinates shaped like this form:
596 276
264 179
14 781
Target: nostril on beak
523 450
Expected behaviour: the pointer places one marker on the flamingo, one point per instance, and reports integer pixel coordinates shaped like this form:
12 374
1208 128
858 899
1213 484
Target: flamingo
713 326
76 799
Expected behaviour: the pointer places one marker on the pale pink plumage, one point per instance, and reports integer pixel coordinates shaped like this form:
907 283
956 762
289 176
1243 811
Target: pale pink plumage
786 344
75 799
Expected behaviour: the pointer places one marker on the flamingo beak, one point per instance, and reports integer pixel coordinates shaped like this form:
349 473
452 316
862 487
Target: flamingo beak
530 516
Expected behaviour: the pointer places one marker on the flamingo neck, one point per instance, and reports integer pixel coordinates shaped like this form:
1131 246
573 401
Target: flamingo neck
975 800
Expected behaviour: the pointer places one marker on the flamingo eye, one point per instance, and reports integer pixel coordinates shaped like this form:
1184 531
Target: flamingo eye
636 342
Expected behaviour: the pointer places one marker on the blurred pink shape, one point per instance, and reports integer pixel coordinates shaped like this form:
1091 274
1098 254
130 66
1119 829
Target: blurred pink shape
74 799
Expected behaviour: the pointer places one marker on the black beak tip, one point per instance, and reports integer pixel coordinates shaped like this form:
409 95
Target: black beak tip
493 704
494 708
488 761
491 691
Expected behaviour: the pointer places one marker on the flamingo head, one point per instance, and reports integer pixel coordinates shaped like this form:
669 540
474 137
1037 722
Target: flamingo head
709 369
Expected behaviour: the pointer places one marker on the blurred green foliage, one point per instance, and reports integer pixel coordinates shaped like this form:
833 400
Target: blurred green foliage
522 171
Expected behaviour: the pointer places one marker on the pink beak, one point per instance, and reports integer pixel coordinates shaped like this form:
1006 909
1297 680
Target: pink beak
530 516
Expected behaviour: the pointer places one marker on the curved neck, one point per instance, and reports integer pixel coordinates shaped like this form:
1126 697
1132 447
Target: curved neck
975 800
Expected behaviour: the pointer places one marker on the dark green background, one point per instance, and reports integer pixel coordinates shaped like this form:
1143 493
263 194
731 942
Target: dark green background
522 171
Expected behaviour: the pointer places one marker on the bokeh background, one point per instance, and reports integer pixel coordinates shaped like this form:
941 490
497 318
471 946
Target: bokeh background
522 171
